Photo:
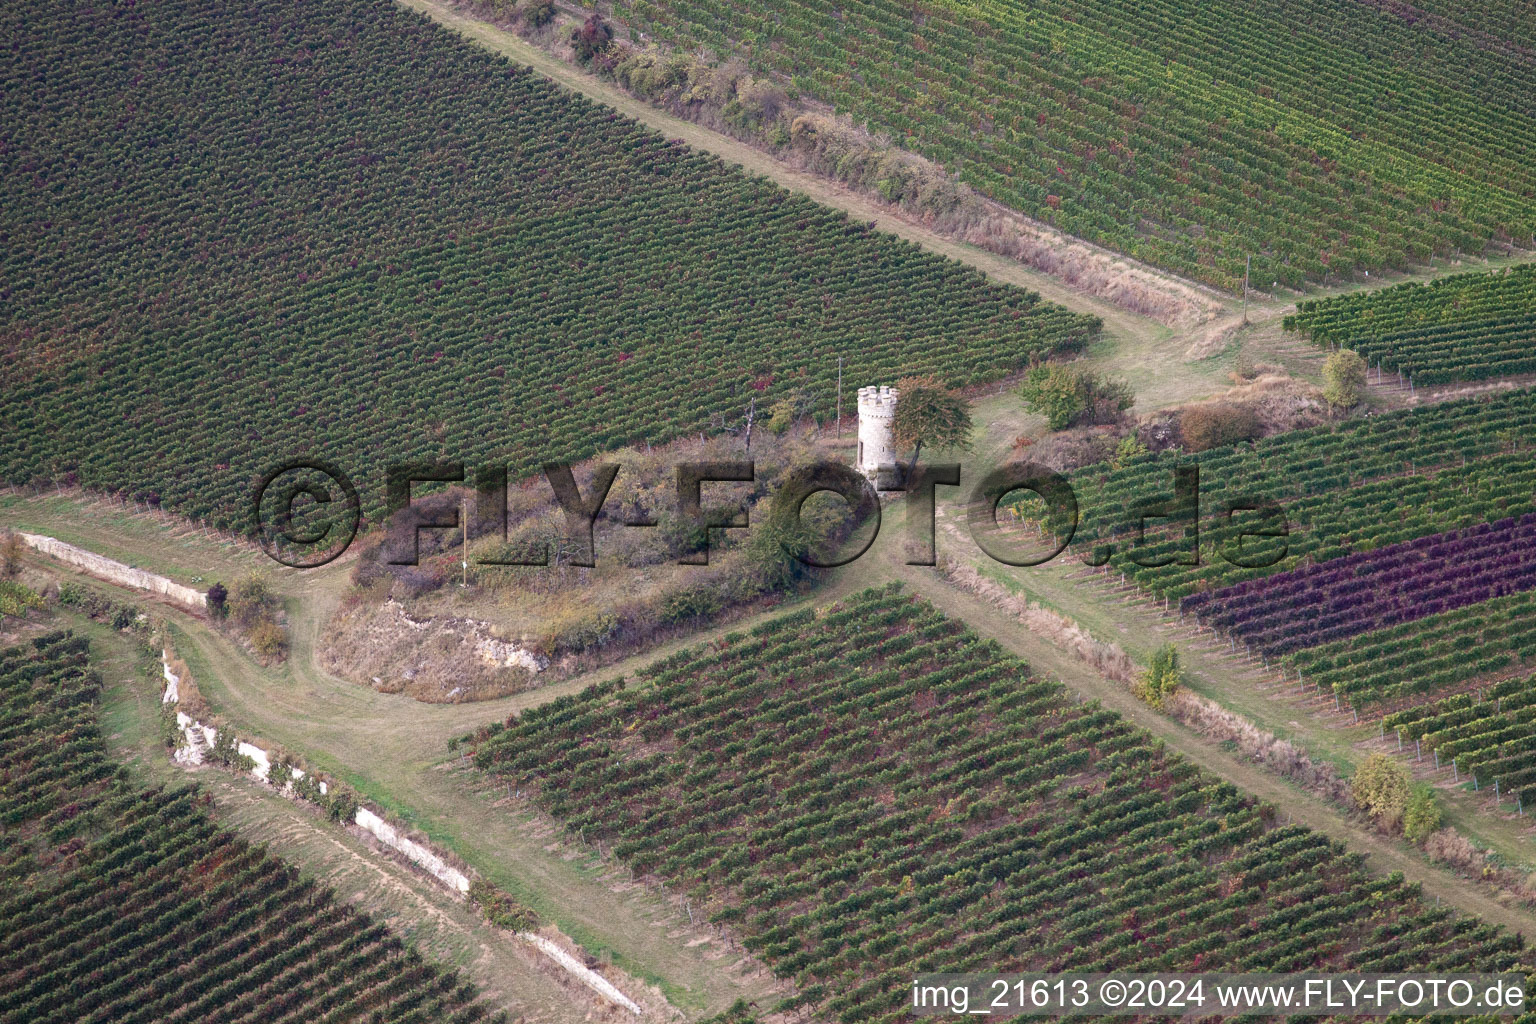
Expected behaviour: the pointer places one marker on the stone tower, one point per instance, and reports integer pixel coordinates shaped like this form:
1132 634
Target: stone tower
877 443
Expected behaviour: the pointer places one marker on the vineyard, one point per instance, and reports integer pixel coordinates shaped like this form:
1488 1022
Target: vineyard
1410 565
1438 652
1487 737
1467 327
1350 487
869 791
1327 601
234 236
122 904
1319 138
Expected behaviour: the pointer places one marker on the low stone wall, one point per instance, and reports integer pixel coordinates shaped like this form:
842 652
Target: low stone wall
116 572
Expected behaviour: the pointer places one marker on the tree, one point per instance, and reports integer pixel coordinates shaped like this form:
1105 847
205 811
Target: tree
1066 395
10 555
1162 678
1051 390
1344 379
1380 787
590 38
251 601
780 416
1422 816
218 597
538 13
1105 398
928 413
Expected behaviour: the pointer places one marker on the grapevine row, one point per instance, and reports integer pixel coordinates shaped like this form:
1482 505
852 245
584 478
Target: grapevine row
1466 327
247 236
1188 135
869 791
129 905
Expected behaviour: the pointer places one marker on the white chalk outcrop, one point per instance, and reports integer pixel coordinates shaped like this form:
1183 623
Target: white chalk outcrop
596 982
500 653
200 739
413 851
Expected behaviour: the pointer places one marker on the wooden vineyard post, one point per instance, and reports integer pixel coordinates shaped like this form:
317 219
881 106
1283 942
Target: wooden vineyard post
1247 266
839 397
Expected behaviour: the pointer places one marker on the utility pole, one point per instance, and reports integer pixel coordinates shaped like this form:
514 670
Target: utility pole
751 412
839 397
464 521
1247 266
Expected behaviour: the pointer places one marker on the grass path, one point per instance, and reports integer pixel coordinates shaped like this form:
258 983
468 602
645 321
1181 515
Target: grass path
1150 355
509 976
1240 685
393 750
1138 346
1048 659
755 161
1139 631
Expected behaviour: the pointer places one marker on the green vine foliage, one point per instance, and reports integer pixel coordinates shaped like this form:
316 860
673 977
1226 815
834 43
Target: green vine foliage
250 236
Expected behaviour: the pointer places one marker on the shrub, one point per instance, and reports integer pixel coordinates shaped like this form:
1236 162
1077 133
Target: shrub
1447 846
1067 395
691 603
781 417
1422 816
10 555
1344 379
590 38
340 803
500 908
576 632
1380 787
269 640
226 751
280 774
15 599
413 581
538 13
1128 450
218 598
1162 678
250 601
1222 423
